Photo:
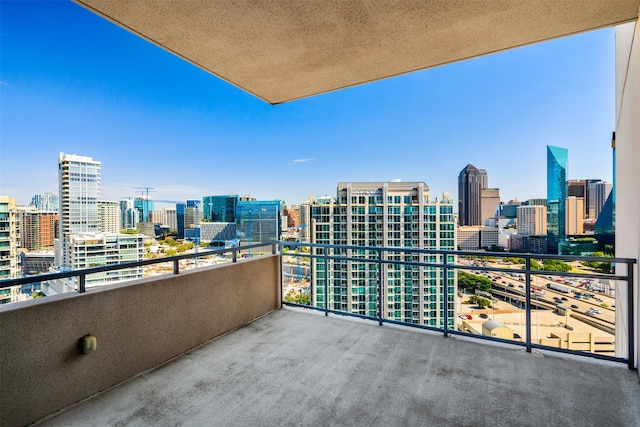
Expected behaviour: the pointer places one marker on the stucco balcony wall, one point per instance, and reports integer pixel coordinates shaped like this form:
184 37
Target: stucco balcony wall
138 325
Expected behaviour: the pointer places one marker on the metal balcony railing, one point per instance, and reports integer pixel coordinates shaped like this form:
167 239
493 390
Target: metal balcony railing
404 286
565 311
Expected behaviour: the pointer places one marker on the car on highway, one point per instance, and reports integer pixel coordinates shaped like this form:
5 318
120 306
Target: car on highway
516 336
574 306
484 316
465 316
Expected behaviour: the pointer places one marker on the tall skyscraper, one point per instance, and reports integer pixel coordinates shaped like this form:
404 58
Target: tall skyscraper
220 208
79 191
145 206
556 195
471 181
391 214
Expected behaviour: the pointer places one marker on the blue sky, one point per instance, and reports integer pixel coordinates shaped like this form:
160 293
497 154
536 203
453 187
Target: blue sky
73 82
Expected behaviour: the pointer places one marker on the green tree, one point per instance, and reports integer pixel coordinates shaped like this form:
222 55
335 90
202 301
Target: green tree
37 294
480 301
473 281
555 265
298 298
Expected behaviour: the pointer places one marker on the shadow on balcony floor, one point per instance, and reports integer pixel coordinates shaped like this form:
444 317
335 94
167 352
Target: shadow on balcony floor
294 367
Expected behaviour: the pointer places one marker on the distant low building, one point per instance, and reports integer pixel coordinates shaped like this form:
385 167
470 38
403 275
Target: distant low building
493 328
471 238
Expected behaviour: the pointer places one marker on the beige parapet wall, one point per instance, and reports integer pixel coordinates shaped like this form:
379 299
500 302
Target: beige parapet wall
138 326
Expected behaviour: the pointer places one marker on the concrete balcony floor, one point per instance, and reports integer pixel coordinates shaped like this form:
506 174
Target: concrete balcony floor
296 367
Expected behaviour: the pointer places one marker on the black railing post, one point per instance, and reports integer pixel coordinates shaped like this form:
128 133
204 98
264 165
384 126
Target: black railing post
527 275
82 285
176 266
445 295
380 297
630 319
234 255
326 281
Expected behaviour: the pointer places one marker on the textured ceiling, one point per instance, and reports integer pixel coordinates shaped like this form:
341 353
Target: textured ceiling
283 50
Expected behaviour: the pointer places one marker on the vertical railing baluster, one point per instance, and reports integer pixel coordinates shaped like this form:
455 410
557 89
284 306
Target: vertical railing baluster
445 295
326 281
176 266
630 319
380 296
82 287
527 275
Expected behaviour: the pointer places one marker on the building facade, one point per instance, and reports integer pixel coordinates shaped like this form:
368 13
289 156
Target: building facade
220 208
258 221
389 214
47 202
79 192
86 250
471 181
108 216
8 238
474 237
556 196
532 220
38 229
575 215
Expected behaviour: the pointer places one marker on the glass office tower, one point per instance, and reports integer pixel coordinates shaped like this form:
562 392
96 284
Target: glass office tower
258 221
220 208
556 195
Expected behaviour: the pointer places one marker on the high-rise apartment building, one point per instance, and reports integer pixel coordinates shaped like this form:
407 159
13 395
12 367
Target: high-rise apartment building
305 219
556 196
532 220
8 238
38 229
391 214
108 216
79 192
97 249
575 216
47 202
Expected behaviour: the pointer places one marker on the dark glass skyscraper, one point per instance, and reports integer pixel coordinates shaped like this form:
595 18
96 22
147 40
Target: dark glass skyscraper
556 195
471 181
220 208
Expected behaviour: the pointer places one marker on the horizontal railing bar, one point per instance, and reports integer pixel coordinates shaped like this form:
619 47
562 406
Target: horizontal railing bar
114 267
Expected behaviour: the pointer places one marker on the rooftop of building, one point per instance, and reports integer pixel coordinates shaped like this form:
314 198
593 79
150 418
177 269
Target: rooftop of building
297 367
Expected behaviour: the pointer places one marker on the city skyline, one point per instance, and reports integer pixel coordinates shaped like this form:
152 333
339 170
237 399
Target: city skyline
72 82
